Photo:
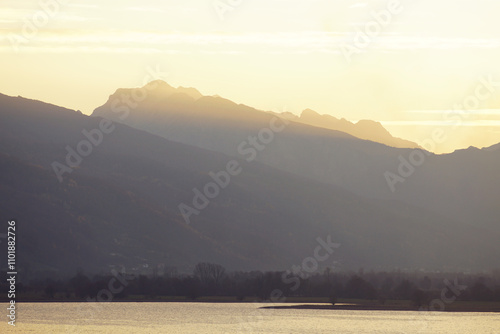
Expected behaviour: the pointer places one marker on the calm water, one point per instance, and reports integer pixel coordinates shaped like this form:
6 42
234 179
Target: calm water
234 318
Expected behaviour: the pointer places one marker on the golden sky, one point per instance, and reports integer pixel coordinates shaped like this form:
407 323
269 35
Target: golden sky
423 67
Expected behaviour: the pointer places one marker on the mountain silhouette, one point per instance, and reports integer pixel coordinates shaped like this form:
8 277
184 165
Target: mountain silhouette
120 205
363 129
462 186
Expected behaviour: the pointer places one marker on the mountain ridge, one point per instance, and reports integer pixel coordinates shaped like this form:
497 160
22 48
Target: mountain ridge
364 167
363 129
121 206
161 91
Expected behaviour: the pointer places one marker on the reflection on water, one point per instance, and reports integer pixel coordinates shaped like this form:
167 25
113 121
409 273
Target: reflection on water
234 318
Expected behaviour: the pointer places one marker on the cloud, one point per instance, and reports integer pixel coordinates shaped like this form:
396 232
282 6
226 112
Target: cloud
306 42
476 123
495 112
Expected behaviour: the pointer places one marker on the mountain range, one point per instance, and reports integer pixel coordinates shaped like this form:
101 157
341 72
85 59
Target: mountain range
441 183
363 129
107 190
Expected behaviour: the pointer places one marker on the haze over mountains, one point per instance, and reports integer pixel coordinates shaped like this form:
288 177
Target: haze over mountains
119 206
364 129
366 168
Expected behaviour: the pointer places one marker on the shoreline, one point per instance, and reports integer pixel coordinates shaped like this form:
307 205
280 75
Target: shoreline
306 304
361 307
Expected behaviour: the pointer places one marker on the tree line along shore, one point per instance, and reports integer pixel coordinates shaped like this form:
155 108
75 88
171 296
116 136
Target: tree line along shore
395 290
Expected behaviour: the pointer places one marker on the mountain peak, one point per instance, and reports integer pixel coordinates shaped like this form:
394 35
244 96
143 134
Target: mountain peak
157 83
309 112
372 125
163 88
363 129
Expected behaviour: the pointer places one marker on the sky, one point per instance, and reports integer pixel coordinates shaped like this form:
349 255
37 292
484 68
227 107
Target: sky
417 66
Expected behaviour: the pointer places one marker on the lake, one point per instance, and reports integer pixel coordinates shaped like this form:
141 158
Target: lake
234 318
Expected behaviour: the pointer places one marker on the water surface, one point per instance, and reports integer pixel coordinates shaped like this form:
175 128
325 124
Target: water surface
235 318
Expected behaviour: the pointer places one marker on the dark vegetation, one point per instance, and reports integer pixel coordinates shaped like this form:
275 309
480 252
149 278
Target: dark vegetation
210 280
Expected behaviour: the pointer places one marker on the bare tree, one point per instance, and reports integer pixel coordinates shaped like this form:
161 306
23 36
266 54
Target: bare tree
209 273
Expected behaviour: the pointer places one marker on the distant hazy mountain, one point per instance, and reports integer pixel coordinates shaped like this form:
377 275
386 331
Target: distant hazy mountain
364 129
463 186
493 147
119 205
221 125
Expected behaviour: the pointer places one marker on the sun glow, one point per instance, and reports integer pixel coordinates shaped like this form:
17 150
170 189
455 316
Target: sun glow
267 54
